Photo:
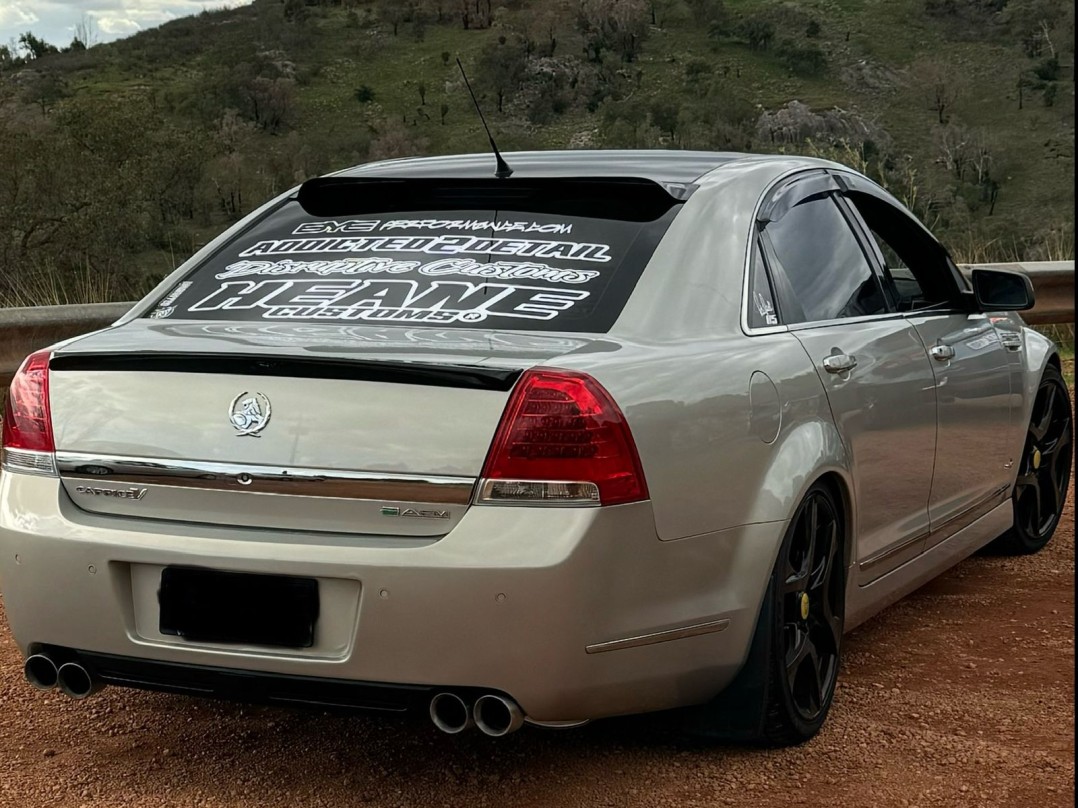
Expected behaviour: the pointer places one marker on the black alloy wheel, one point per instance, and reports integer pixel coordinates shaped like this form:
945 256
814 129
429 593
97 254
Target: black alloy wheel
811 607
1040 489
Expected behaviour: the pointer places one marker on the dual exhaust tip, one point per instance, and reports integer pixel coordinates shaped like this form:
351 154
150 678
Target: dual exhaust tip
494 715
72 678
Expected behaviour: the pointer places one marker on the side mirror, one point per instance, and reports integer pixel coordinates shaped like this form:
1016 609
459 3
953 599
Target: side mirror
1002 290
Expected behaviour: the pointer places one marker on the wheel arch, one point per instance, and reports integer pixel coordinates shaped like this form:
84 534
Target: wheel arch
831 470
843 494
1039 353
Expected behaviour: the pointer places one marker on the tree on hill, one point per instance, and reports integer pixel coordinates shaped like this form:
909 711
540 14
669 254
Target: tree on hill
758 32
706 13
393 12
34 48
475 13
44 89
86 34
620 26
937 84
501 67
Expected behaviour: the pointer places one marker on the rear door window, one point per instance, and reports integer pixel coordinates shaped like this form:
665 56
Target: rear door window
829 275
481 267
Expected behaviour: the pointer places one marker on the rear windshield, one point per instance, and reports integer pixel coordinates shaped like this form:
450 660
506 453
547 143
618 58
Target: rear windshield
479 268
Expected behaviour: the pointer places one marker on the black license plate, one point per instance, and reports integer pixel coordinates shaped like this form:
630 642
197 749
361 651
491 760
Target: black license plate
235 607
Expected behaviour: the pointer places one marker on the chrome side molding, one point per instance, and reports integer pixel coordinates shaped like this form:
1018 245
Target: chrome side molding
710 627
214 476
941 532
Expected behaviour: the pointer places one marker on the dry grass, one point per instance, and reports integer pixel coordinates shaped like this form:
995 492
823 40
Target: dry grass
971 247
47 285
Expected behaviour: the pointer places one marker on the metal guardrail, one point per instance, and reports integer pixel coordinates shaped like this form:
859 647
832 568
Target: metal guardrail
23 331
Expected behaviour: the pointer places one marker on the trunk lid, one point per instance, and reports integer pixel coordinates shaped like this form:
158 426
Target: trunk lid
348 429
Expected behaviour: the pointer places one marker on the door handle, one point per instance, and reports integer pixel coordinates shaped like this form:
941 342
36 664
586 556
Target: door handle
942 353
839 363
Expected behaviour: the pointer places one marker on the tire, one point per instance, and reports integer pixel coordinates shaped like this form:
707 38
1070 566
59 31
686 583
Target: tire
784 692
1041 487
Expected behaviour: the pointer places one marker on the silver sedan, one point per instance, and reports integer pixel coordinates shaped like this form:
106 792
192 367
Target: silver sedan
623 432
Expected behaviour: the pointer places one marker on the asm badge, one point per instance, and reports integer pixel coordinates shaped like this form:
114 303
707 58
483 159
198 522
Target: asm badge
414 513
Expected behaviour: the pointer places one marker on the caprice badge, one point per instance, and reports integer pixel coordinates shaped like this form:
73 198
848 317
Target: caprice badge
249 413
115 493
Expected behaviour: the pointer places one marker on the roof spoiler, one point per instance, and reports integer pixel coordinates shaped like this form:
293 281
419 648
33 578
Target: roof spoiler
622 198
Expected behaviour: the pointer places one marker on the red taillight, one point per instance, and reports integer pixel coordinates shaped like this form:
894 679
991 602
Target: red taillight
562 440
27 421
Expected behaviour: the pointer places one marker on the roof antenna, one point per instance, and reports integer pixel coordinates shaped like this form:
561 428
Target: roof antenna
503 171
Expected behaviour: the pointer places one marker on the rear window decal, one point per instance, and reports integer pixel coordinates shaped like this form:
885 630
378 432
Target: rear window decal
556 228
504 270
174 295
478 268
393 300
330 226
436 245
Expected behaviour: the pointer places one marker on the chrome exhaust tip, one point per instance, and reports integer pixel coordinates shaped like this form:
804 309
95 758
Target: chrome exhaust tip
450 713
497 715
40 671
75 681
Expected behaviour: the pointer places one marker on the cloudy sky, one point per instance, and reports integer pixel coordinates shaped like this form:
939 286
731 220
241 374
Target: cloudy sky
55 20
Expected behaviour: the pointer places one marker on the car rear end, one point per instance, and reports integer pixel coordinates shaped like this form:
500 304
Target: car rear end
348 461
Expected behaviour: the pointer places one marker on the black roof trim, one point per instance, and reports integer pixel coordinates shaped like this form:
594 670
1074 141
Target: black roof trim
630 199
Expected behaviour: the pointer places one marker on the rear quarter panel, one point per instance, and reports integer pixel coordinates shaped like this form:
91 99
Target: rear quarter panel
716 455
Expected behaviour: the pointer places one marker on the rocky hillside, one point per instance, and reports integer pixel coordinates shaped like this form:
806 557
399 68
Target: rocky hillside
116 161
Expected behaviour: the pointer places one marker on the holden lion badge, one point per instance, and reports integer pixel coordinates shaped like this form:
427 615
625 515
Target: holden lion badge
249 413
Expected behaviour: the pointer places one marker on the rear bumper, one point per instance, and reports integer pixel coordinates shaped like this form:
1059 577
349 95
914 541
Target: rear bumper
510 600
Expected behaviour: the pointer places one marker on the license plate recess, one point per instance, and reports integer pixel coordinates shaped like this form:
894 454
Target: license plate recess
214 606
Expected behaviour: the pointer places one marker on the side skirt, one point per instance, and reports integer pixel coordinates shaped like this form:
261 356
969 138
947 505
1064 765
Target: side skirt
863 602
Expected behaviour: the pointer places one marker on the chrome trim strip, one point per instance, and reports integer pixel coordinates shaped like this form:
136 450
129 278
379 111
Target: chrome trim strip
883 555
872 318
710 627
214 476
944 531
967 517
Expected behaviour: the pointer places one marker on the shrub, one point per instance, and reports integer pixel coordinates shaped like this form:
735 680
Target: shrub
364 94
757 32
696 69
1047 69
808 60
